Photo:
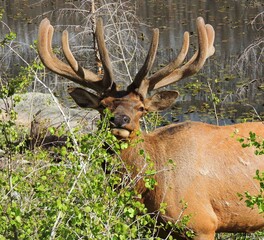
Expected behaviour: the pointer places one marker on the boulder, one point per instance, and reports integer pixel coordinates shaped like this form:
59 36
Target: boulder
37 112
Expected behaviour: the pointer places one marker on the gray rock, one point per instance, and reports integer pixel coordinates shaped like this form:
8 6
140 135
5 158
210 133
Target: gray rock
48 112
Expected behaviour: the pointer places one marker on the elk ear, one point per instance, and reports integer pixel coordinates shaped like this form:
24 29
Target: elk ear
160 100
84 98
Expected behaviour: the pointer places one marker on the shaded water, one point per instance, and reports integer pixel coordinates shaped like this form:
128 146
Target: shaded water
235 83
229 77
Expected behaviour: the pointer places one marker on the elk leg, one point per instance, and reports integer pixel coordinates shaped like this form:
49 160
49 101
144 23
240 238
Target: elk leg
205 223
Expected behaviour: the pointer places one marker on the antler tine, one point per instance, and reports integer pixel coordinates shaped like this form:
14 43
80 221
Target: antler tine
143 72
211 37
205 50
165 71
45 51
88 78
72 71
108 78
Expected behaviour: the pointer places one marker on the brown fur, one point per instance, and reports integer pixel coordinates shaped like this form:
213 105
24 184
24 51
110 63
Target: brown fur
210 169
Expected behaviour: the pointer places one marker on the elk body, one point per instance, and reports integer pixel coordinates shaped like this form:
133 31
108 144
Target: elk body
211 167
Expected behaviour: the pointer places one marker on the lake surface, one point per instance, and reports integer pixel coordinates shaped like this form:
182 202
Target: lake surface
233 77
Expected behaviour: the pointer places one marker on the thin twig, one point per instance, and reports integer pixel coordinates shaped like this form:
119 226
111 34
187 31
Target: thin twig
214 104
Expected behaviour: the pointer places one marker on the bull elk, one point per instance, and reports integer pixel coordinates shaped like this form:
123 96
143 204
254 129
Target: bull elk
210 166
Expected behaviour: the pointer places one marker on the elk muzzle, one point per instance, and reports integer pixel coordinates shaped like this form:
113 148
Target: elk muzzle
119 125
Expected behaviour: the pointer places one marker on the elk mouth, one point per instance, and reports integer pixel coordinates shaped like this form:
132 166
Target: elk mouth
121 133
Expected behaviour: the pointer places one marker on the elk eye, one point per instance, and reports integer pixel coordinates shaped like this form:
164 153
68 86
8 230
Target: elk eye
141 109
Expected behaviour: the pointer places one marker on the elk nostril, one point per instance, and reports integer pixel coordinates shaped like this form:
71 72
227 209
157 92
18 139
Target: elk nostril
126 119
120 120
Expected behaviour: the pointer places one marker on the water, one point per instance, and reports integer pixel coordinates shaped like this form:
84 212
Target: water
228 88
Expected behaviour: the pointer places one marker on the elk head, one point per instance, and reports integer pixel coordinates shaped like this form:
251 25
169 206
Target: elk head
128 105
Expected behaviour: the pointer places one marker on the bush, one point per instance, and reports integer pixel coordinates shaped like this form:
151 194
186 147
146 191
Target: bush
258 200
73 198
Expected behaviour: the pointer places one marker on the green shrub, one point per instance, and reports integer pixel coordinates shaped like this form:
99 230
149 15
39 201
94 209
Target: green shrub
255 200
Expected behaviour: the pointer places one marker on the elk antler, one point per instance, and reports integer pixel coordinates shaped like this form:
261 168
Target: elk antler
143 72
74 71
173 72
